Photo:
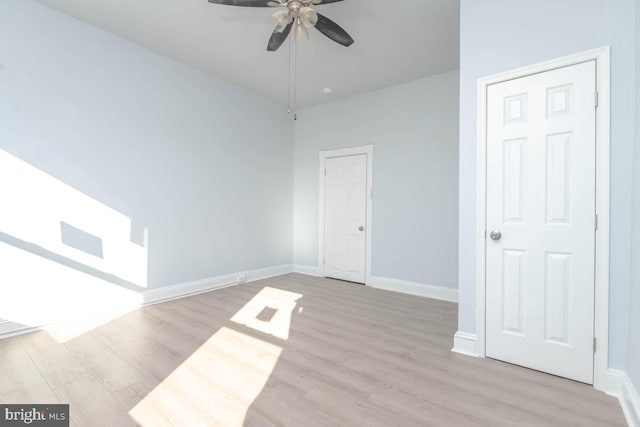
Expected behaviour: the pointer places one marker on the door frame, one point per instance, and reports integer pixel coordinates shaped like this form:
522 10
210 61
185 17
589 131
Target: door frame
602 379
344 152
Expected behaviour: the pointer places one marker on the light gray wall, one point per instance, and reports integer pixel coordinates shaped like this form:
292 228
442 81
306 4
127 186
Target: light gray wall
413 128
498 35
633 368
205 166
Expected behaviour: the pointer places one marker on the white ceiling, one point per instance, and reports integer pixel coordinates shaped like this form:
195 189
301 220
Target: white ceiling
396 41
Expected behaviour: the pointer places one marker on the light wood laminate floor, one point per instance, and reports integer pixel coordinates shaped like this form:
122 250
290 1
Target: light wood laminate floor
288 351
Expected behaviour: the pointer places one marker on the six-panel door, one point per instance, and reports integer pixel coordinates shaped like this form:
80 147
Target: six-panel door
541 199
345 217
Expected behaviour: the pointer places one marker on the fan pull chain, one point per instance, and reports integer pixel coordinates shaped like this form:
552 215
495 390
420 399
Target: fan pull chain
289 81
295 79
292 100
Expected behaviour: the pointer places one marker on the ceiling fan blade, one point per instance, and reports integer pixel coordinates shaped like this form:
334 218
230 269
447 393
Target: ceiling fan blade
332 30
325 1
248 3
278 37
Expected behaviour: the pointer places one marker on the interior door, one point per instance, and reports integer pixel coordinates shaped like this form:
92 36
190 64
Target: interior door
541 221
345 217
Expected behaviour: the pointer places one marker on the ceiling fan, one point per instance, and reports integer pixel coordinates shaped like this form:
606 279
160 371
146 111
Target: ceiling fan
298 13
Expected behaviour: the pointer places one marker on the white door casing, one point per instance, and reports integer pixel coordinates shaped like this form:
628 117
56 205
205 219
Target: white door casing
345 217
541 197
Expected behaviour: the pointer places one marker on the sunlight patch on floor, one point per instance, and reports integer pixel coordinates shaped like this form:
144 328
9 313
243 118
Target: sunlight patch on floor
218 383
269 298
214 386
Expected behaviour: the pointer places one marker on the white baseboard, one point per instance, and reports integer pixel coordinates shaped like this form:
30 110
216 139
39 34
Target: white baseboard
10 329
617 383
265 273
168 293
609 383
413 288
465 343
306 269
630 401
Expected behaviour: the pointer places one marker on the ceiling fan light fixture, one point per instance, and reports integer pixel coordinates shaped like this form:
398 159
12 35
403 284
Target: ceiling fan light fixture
309 17
282 20
302 34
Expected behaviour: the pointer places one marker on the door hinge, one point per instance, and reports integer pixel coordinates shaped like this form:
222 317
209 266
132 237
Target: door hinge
325 172
596 222
595 344
595 98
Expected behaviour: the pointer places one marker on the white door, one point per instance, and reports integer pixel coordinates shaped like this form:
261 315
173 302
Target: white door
345 217
541 221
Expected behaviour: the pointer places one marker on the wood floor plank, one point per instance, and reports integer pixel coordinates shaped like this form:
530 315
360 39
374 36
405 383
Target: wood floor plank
56 364
106 365
132 394
353 355
20 379
90 404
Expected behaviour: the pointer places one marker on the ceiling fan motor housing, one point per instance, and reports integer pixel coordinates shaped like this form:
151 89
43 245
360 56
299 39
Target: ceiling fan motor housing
294 7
